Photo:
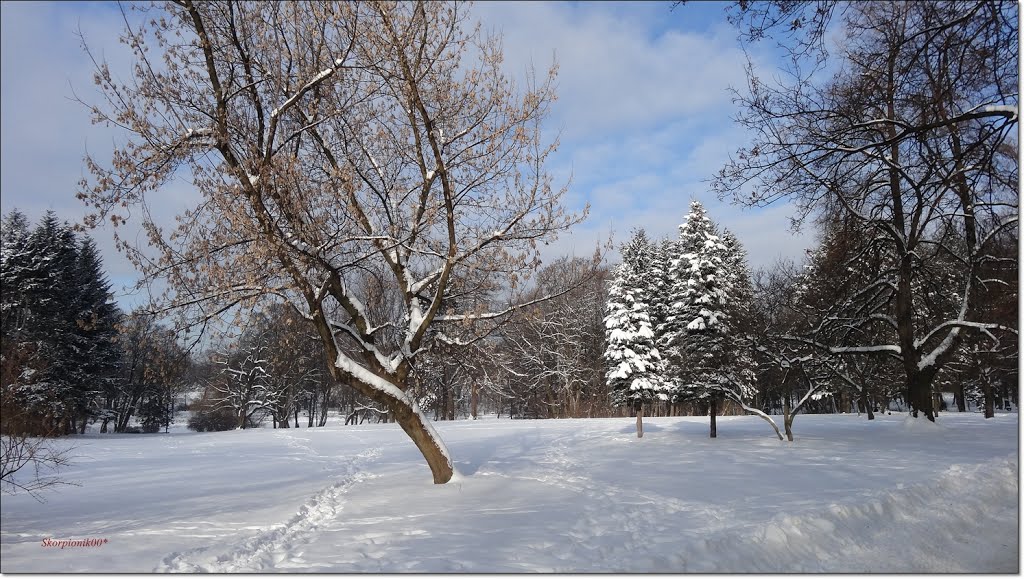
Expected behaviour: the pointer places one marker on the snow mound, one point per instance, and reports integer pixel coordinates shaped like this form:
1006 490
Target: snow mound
847 535
920 424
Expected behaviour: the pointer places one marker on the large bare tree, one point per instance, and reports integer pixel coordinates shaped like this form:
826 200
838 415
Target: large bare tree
908 130
337 147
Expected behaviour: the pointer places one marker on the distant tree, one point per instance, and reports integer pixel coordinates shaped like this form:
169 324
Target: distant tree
97 350
706 335
151 374
693 335
739 368
558 345
243 383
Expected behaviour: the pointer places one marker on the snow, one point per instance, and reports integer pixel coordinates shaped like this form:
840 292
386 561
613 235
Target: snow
1001 109
890 495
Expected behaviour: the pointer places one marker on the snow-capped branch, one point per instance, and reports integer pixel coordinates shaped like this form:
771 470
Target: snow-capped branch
324 74
869 349
735 397
505 312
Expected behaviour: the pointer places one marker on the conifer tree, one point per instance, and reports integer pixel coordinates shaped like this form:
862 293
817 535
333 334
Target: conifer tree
96 319
58 326
708 353
685 268
635 368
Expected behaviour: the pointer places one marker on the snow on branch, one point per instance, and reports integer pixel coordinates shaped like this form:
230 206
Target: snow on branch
506 311
327 72
878 348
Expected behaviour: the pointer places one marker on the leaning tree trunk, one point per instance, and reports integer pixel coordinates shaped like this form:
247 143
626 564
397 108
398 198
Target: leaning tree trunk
422 434
787 417
865 403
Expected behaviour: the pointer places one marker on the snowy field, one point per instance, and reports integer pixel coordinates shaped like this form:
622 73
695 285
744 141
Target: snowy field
893 495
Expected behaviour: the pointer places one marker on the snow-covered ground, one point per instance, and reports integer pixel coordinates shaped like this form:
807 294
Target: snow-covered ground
893 495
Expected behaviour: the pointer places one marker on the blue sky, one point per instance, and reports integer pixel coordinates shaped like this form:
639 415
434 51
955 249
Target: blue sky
643 113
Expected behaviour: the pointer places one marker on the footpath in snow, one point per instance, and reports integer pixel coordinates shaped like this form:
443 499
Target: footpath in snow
892 495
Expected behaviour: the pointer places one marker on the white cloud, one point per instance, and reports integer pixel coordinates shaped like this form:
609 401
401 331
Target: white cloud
645 115
614 74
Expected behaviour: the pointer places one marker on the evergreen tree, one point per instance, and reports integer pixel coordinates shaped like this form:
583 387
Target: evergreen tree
48 292
635 369
690 271
58 326
95 333
741 377
14 260
738 370
661 297
703 334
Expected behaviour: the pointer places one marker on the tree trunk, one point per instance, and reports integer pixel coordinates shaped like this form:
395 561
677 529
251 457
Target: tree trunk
919 388
422 434
960 399
713 410
639 420
474 399
787 417
324 407
990 399
864 402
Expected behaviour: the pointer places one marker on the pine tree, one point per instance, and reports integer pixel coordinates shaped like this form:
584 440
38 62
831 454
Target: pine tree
738 370
703 335
661 297
635 368
58 326
740 367
48 293
690 271
96 319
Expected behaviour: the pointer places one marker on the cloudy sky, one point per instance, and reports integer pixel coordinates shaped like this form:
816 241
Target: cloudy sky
643 112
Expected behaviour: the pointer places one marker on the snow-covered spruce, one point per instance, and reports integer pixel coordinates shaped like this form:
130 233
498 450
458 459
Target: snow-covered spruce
635 368
709 357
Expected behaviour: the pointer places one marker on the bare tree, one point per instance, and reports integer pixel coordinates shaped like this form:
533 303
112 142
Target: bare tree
558 346
907 137
333 142
31 464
